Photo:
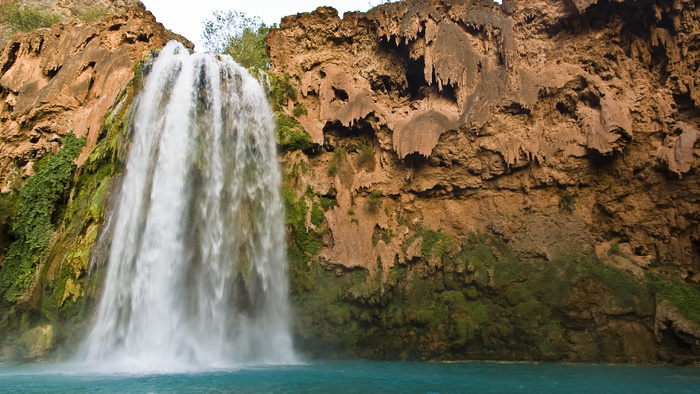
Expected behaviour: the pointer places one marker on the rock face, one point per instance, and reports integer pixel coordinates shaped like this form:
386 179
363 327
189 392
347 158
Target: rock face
64 78
556 126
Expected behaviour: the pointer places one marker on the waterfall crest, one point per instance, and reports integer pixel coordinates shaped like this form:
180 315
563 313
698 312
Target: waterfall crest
197 268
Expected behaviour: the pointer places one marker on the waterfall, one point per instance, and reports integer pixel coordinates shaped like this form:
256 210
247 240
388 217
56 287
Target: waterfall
197 273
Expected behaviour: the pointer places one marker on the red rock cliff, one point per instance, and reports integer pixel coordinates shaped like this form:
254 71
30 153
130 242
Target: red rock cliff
556 126
483 116
63 79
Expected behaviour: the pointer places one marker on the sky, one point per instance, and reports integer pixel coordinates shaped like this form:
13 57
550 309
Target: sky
185 17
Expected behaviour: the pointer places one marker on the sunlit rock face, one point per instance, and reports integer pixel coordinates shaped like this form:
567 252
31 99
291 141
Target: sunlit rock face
64 79
557 126
482 115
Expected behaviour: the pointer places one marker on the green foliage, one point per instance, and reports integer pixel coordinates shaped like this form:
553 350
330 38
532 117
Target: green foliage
33 225
235 34
479 301
249 48
9 202
627 291
281 91
374 200
365 156
340 156
92 14
27 18
614 249
317 216
328 203
683 296
381 234
307 241
299 110
67 293
567 202
435 243
291 135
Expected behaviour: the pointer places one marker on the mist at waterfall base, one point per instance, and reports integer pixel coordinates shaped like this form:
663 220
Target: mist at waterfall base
197 269
365 377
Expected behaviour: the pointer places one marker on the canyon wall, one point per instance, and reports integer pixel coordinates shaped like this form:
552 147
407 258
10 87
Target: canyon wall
463 161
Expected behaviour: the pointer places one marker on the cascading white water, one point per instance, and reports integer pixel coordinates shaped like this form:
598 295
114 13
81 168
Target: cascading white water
197 268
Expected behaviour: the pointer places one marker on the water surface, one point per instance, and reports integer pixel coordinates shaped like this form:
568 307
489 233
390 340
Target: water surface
364 377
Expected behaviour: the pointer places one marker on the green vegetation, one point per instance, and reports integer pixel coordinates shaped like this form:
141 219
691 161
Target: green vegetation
306 240
34 223
614 249
249 48
64 293
567 202
340 156
303 243
365 158
242 37
92 14
9 202
299 110
381 234
683 296
317 216
291 135
27 18
471 298
374 200
328 203
281 91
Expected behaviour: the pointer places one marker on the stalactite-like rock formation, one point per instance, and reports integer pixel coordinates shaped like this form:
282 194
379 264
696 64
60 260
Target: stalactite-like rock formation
555 126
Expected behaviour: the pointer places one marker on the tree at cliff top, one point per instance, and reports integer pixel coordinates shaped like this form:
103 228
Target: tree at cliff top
235 34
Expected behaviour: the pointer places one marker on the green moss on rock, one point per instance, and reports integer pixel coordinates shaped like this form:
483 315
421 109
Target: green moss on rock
482 303
291 135
34 224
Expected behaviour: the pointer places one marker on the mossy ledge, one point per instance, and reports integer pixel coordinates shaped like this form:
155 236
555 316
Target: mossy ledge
483 302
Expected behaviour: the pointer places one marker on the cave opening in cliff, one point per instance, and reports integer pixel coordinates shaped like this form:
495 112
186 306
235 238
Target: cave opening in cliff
419 88
415 78
361 128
